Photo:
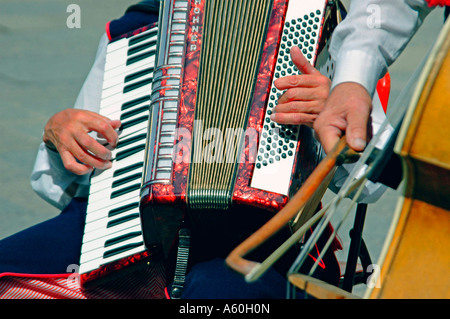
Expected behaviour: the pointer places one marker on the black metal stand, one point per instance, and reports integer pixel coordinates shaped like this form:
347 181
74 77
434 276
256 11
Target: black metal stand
357 250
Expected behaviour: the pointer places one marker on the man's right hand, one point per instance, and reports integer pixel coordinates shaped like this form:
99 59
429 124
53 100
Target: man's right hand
347 111
68 131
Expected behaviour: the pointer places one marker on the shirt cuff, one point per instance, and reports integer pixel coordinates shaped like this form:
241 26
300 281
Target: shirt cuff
360 67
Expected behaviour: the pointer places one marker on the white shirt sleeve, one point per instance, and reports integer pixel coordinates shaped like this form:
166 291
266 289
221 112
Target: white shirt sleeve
372 36
363 45
49 179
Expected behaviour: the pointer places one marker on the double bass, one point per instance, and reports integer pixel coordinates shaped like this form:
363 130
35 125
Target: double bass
415 259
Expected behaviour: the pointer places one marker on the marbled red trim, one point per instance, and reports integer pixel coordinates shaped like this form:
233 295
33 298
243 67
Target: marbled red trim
113 267
243 194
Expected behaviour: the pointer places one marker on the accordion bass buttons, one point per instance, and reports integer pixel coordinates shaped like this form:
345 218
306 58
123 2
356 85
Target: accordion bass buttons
278 147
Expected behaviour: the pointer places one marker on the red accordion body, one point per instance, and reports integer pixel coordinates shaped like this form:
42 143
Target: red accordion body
165 203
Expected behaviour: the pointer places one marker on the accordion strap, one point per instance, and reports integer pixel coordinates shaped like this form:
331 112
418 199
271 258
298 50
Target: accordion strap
184 239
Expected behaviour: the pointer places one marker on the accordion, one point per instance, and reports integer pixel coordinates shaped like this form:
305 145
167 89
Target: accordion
212 146
195 93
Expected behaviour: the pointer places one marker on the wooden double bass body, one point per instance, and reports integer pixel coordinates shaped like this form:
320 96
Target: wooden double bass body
416 261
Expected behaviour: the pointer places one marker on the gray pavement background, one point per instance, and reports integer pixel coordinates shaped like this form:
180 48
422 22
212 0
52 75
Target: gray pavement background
43 64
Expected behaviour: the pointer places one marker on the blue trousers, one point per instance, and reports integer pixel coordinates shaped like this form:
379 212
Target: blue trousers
46 248
214 280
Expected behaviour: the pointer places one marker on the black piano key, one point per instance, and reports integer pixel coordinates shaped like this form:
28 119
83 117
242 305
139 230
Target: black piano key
137 39
142 47
124 154
135 121
137 111
125 190
127 169
122 249
122 209
131 140
119 239
125 180
135 102
140 57
137 75
137 85
122 220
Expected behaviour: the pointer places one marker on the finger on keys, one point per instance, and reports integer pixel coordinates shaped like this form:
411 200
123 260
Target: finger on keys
301 62
72 165
94 146
298 80
304 94
84 156
107 129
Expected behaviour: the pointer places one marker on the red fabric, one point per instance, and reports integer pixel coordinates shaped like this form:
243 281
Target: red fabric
383 90
441 3
108 32
135 285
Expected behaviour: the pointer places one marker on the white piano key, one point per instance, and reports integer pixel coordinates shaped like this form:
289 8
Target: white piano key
126 112
116 58
137 127
110 208
124 69
121 56
120 98
106 183
121 87
99 229
117 45
130 73
95 205
128 146
116 110
124 66
113 236
96 263
131 140
118 73
107 194
106 174
109 182
132 114
96 248
119 168
117 89
144 88
95 258
115 54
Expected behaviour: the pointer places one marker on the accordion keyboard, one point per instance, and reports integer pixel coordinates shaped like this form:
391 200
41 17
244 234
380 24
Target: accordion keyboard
113 230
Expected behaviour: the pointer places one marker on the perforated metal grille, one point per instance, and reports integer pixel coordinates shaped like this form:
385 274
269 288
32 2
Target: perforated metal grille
279 141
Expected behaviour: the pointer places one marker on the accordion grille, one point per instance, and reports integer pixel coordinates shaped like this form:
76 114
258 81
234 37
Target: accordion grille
232 40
